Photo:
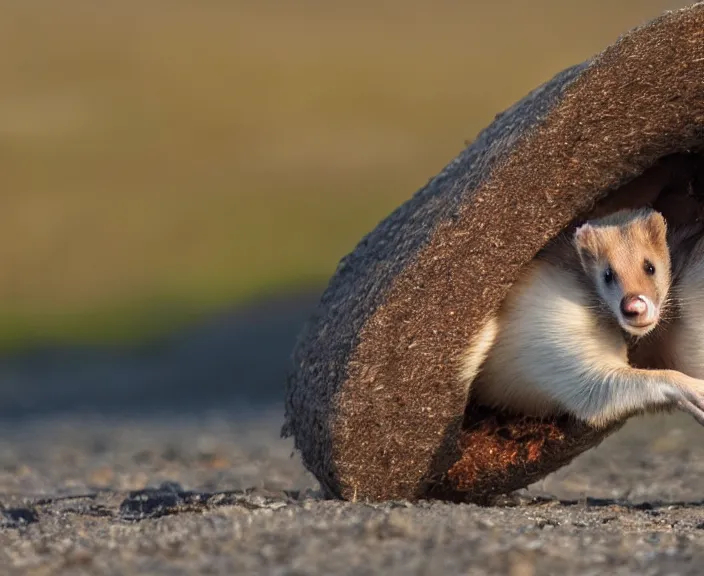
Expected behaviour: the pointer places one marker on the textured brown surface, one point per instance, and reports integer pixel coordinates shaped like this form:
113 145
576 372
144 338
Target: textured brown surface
501 453
374 401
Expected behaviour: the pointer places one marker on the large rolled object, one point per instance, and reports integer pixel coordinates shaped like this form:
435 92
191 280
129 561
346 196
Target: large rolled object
375 401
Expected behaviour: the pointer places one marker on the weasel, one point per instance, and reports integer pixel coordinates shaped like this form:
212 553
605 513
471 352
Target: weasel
559 342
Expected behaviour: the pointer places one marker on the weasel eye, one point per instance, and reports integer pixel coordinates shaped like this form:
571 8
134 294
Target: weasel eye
649 268
608 275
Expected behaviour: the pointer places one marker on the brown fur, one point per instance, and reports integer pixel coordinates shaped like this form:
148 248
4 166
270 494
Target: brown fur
625 241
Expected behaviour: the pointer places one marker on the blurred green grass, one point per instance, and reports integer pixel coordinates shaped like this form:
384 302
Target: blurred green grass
162 159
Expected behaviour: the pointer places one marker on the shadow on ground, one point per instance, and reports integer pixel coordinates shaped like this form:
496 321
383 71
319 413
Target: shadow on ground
237 360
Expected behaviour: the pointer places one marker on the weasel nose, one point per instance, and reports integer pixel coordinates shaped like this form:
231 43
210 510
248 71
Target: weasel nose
633 305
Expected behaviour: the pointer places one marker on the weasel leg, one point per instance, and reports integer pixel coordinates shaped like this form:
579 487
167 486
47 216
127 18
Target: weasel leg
689 396
619 393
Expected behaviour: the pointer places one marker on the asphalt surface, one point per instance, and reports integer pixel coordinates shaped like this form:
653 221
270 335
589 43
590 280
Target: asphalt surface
186 474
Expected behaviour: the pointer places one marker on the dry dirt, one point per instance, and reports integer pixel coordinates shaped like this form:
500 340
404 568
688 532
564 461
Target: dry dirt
224 497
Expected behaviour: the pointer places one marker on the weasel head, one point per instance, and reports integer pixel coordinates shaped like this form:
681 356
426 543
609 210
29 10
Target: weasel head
627 258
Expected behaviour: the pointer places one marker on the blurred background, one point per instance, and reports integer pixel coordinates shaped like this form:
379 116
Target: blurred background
180 178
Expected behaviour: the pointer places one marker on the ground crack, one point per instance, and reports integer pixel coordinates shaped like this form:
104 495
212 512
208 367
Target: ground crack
170 498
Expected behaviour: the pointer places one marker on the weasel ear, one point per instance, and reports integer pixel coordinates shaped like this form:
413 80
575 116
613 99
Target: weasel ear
656 228
585 240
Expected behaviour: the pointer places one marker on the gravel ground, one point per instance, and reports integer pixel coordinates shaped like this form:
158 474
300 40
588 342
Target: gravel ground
167 461
220 494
